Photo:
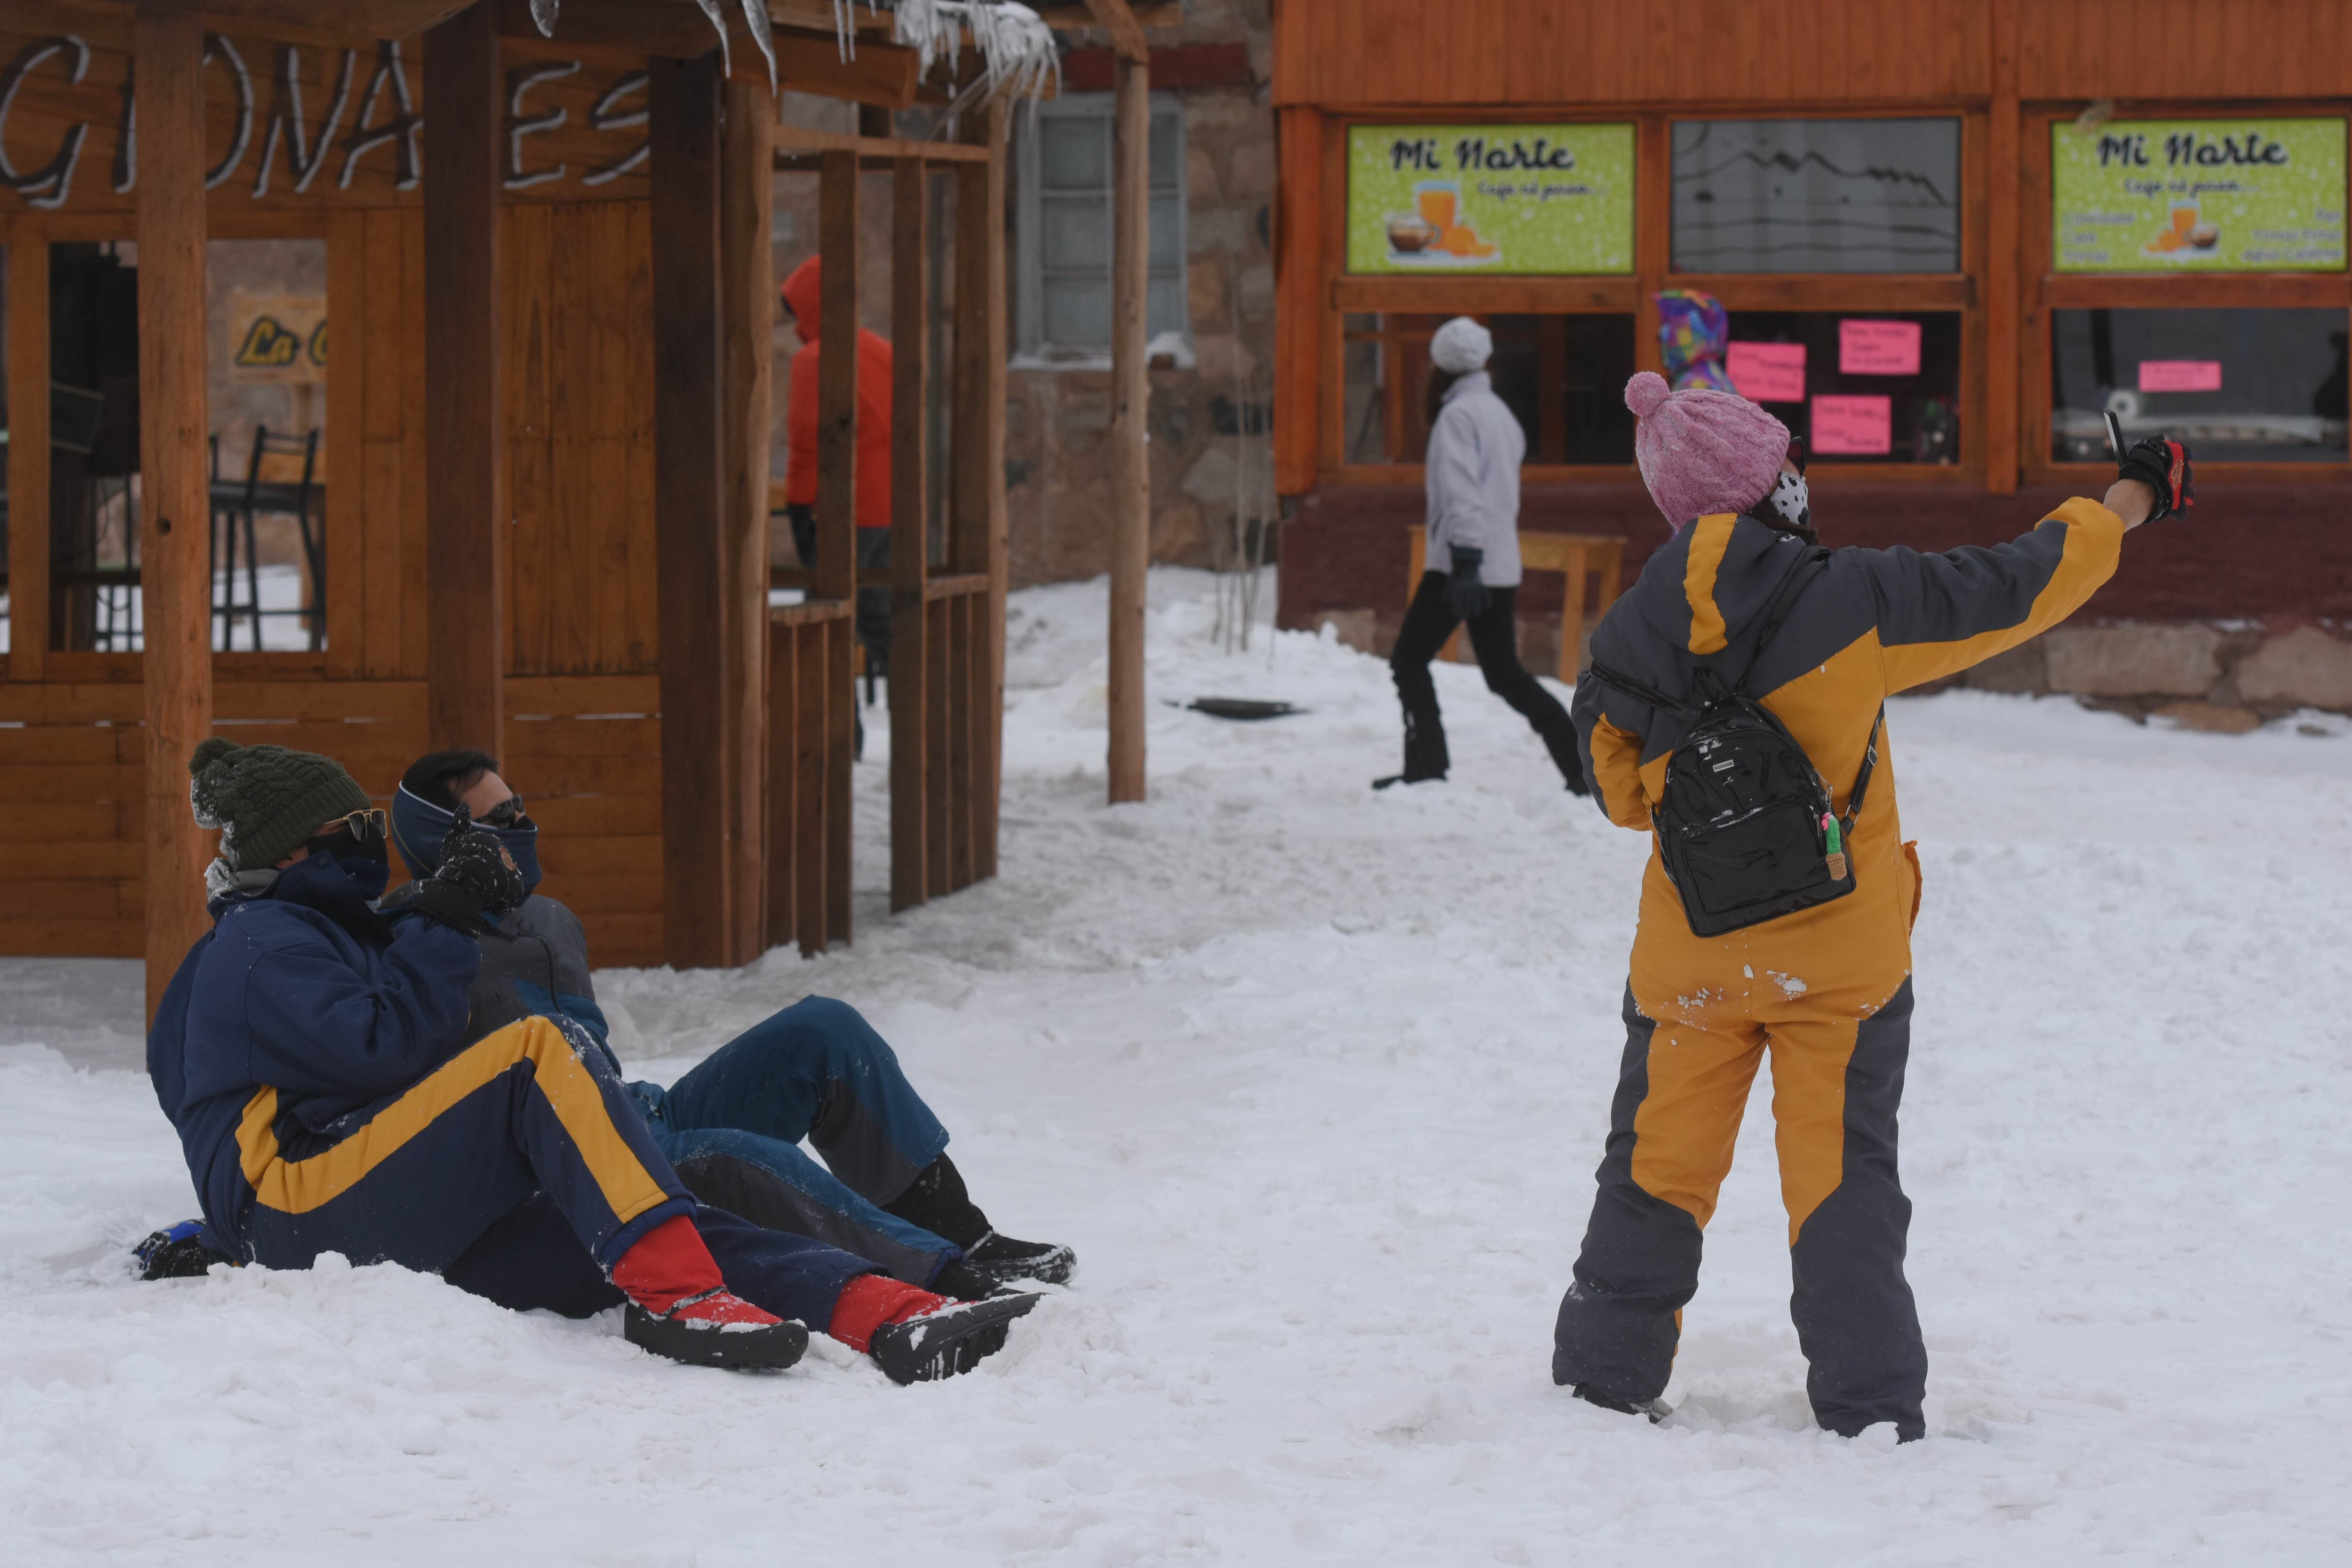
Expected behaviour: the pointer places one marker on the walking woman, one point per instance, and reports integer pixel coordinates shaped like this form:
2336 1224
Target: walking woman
1476 447
1746 640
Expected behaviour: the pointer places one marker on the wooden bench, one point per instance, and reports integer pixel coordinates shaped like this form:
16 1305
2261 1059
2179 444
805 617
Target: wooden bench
1579 557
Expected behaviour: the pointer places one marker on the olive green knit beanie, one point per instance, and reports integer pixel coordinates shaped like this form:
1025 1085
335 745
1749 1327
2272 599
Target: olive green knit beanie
266 800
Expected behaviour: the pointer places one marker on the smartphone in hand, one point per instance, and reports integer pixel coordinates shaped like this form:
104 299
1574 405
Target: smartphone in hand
2115 436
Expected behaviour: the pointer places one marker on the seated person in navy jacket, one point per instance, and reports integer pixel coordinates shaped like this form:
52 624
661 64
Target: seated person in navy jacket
314 1055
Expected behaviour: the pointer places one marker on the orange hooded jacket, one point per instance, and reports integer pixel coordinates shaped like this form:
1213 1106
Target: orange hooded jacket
802 295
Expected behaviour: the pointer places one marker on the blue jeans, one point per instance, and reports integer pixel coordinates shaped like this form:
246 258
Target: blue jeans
732 1127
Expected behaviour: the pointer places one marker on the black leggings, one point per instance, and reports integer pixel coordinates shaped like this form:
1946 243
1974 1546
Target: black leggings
1494 636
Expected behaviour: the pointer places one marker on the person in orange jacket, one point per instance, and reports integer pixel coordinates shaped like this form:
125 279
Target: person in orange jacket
1826 989
803 293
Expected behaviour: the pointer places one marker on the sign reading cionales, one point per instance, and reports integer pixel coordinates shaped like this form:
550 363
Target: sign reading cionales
293 125
1490 198
2219 195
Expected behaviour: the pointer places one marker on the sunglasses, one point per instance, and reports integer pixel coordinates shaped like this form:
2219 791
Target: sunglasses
507 813
366 827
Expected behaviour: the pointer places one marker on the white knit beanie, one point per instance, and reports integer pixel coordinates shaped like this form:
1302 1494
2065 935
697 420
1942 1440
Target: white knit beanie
1461 346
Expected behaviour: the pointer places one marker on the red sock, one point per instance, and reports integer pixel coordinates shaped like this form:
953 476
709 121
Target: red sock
668 1264
870 1301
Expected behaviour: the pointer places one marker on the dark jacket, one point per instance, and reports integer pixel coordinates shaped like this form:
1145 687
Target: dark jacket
534 963
1874 623
305 990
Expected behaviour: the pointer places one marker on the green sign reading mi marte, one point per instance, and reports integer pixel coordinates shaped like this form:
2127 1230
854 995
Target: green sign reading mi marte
1519 199
2202 195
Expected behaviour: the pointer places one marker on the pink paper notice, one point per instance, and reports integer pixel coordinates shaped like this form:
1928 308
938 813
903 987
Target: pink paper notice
1768 372
1854 426
2180 375
1878 348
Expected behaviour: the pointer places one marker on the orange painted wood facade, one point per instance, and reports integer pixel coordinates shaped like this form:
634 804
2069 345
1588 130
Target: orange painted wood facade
2007 69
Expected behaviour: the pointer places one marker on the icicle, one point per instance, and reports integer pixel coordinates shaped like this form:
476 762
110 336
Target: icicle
756 22
543 16
719 20
1014 43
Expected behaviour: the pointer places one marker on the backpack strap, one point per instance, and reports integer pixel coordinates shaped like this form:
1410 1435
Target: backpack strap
1639 691
1862 776
1817 561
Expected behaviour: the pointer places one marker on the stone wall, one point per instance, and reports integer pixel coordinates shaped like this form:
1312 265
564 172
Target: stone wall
2228 676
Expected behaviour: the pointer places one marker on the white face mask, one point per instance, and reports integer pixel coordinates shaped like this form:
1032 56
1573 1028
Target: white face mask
1790 500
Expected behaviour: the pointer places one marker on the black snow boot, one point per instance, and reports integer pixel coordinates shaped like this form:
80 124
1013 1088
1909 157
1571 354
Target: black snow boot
1657 1410
1001 1258
965 1283
946 1343
937 1201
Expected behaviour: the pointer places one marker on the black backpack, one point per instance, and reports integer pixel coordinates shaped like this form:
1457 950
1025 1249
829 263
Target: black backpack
1746 830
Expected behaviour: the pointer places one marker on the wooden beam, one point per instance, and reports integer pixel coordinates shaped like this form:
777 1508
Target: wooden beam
175 509
1130 481
836 572
1125 33
874 152
626 31
29 453
2003 296
1299 311
465 426
748 283
977 514
688 498
912 692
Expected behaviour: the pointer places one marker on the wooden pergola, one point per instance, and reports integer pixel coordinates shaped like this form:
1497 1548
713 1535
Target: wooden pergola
550 273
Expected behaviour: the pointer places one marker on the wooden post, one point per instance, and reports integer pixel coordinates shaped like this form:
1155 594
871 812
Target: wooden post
1300 307
2004 152
834 576
977 515
1130 482
747 180
29 453
911 691
465 419
689 499
174 522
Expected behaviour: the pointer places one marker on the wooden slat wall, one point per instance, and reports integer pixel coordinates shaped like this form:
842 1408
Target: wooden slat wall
580 438
1337 53
586 750
1372 53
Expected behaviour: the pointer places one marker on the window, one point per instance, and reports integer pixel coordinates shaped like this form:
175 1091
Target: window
1064 233
2238 385
1563 376
1817 196
1859 386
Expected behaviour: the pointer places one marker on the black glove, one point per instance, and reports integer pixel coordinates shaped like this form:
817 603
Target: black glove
802 517
2166 467
476 876
1467 595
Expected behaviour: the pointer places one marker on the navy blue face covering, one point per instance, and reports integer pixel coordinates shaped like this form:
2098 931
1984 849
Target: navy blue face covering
418 826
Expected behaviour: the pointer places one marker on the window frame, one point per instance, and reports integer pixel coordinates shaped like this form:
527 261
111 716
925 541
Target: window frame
1861 293
2047 290
1030 351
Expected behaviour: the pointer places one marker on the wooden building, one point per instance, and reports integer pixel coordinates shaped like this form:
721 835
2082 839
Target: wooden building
545 467
1948 232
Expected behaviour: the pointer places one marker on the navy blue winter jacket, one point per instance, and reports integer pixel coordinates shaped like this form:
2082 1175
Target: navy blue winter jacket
306 990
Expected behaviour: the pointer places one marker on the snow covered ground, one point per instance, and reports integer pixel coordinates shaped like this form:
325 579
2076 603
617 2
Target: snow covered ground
1315 1080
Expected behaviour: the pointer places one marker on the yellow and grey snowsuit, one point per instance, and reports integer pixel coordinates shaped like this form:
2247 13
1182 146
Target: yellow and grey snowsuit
1827 990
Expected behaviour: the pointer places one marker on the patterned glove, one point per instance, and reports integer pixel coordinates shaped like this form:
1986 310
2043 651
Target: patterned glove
476 876
2166 467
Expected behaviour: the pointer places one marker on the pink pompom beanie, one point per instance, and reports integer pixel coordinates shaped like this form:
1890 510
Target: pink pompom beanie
1703 452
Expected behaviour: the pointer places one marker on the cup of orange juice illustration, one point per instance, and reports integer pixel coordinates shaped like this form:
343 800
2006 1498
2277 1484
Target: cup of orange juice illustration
2185 232
1439 204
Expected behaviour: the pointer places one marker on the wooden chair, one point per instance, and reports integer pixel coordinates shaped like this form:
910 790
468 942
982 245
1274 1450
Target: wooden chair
1577 556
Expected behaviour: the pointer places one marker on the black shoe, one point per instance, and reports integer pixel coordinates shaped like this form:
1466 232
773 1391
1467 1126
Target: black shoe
1407 779
1657 1410
739 1347
1002 1257
951 1340
965 1283
178 1253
